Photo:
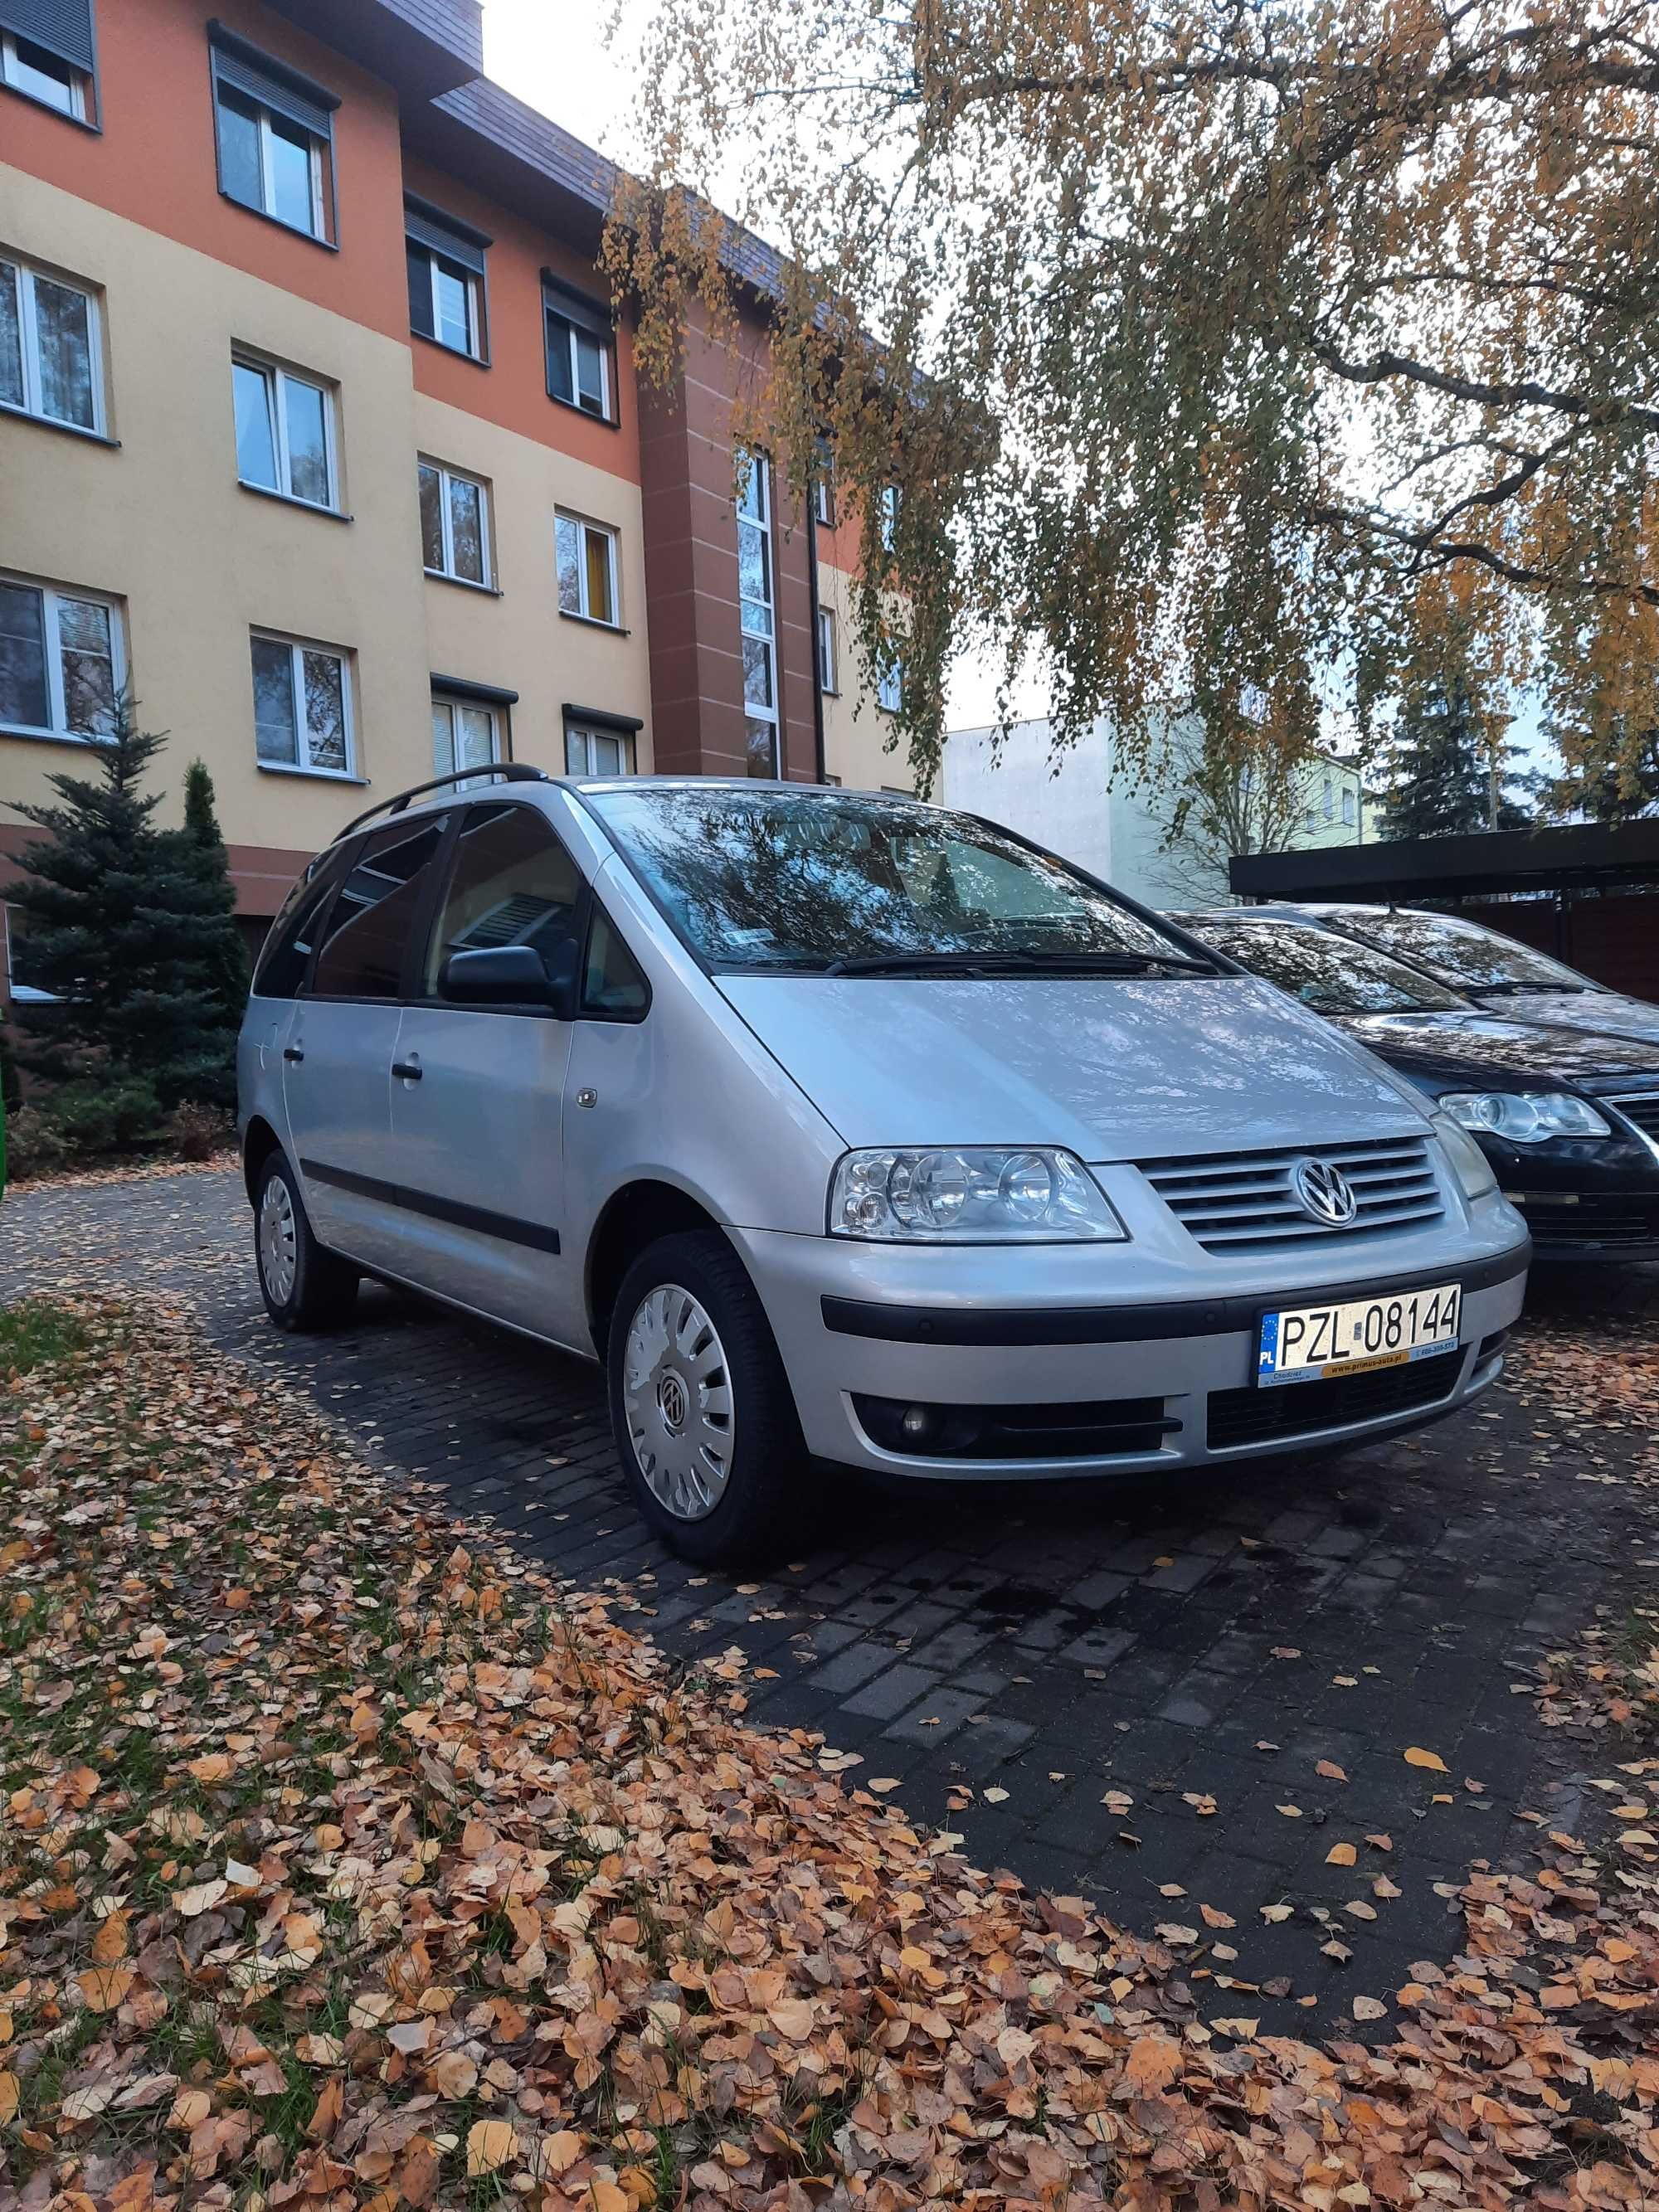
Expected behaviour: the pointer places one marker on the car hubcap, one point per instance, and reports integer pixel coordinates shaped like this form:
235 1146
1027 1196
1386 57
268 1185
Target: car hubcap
279 1242
676 1394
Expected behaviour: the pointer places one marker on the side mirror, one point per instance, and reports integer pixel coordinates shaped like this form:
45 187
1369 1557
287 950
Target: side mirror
513 975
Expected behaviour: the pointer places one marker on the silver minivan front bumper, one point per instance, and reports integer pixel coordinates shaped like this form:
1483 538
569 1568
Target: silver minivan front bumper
1158 1383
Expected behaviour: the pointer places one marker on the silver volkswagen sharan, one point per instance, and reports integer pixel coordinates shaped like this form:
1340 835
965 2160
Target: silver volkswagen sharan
847 1134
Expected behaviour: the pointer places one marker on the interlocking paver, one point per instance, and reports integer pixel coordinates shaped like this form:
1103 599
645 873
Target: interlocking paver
1041 1635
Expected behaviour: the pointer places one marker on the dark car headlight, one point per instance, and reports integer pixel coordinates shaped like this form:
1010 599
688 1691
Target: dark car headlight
1524 1117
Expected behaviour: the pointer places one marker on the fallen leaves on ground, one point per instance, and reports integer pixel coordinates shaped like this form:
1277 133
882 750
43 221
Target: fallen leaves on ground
351 1863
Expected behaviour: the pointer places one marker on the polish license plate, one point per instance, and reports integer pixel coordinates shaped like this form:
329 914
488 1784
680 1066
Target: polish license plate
1309 1343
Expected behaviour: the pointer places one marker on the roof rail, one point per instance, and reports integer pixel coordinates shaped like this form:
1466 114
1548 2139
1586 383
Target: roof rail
509 772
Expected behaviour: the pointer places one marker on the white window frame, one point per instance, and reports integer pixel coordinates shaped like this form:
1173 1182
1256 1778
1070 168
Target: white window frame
1350 810
890 688
275 377
52 594
298 647
28 329
760 478
889 513
585 523
446 476
1329 800
828 661
10 63
473 349
584 733
267 168
457 704
824 499
22 994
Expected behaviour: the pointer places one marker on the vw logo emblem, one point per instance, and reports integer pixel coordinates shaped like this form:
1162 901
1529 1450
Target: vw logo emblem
1325 1193
673 1403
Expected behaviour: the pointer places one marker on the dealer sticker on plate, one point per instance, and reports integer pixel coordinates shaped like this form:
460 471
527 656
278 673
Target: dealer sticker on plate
1310 1343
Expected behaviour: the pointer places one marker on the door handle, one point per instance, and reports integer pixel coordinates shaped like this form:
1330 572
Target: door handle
410 1070
292 1052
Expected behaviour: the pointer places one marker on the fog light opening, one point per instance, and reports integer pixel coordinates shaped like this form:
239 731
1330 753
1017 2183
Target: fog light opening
917 1424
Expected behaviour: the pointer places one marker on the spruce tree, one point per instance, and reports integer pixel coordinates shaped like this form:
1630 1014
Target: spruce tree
129 927
1440 766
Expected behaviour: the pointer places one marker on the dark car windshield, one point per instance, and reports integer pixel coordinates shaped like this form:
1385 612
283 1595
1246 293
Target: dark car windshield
1331 974
1463 953
823 882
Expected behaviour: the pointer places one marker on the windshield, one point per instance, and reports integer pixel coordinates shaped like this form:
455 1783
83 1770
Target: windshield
821 882
1331 974
1463 952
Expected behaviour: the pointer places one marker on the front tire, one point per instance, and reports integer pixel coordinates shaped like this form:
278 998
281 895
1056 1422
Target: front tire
304 1287
704 1419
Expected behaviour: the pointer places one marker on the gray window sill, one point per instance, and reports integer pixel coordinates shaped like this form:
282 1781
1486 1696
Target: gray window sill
315 774
39 737
592 621
455 353
463 583
287 499
50 422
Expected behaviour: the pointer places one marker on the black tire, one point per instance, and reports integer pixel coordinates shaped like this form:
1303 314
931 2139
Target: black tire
323 1288
766 1491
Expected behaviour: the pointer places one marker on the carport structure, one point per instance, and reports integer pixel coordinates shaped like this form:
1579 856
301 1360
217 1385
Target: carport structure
1587 892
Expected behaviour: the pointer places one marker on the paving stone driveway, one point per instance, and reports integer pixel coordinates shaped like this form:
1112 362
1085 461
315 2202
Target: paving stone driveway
1201 1651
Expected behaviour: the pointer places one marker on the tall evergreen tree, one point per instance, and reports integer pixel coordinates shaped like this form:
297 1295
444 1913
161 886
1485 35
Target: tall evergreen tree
1449 770
126 925
222 951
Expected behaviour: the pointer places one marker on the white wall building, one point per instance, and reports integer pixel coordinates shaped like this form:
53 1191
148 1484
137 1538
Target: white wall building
1070 803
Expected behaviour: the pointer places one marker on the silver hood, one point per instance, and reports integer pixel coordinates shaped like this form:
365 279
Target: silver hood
1112 1068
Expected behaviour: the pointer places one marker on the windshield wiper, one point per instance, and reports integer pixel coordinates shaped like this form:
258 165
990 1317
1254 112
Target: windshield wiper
1500 990
1024 964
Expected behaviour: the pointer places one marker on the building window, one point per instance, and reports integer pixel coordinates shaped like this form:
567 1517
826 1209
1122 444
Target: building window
890 692
581 361
889 515
40 74
465 735
62 669
592 751
1348 805
445 279
758 602
302 707
823 485
454 524
275 138
284 433
588 569
827 676
21 989
50 355
1330 801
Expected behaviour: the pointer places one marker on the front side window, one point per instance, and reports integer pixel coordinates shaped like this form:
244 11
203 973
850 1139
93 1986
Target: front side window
512 883
821 883
580 356
40 74
366 937
587 560
828 680
284 433
592 751
454 524
302 707
50 359
757 598
1331 974
275 134
61 668
465 735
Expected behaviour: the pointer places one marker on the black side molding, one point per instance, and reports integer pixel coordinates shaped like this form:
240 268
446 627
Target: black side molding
1012 1326
506 1226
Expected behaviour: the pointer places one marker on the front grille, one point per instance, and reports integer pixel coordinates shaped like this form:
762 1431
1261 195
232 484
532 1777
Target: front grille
1589 1220
1642 1110
1297 1409
1245 1201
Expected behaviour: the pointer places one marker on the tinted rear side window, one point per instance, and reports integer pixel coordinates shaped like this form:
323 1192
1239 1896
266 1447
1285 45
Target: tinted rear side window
370 926
289 948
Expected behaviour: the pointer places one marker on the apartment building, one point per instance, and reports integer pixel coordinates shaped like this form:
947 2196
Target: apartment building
317 437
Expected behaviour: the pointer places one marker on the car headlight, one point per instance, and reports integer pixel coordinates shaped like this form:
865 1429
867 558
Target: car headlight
1524 1117
971 1194
1469 1164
